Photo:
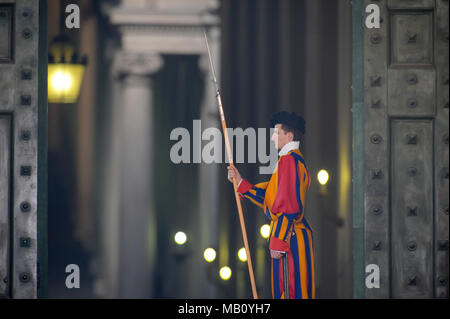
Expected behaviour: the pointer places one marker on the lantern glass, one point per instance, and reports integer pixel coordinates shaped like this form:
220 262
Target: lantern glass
64 82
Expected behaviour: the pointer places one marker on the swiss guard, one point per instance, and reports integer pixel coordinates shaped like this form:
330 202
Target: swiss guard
282 199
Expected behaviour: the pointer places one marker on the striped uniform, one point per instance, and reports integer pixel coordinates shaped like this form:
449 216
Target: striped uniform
282 199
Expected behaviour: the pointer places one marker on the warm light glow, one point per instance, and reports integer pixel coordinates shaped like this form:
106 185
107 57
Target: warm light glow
209 255
265 231
64 82
225 273
242 254
180 238
61 81
323 177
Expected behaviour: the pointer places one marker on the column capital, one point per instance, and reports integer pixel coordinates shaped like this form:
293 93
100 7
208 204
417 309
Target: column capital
136 64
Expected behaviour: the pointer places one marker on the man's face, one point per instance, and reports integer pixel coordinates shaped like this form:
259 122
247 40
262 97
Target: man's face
280 137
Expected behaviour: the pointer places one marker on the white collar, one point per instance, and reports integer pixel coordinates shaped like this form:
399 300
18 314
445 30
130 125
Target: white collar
289 147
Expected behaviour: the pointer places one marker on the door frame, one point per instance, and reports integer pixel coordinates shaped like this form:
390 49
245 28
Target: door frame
358 148
42 235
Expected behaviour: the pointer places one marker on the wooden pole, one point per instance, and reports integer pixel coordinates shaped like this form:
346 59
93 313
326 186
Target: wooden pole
230 160
236 195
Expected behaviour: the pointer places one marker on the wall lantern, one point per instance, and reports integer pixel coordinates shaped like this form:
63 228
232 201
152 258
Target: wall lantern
65 71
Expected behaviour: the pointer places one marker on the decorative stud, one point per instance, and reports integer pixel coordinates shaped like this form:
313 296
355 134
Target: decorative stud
412 139
442 245
25 170
412 79
25 207
26 74
445 210
412 281
25 242
412 211
24 277
377 210
377 245
442 281
25 135
412 103
376 139
375 81
27 33
445 173
412 246
412 171
412 37
377 174
376 103
375 38
27 13
25 99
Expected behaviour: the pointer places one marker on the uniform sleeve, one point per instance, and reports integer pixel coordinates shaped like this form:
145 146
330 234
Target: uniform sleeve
286 207
254 193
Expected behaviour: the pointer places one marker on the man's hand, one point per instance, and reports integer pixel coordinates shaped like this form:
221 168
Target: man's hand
276 254
234 173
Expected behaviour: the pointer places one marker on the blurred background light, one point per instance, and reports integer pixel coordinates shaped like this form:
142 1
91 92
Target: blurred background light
265 231
180 238
242 254
209 254
323 177
225 273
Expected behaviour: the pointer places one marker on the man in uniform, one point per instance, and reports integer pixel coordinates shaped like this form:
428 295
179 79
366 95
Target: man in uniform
283 200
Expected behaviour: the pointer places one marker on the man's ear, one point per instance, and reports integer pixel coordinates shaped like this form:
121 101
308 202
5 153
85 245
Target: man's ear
290 136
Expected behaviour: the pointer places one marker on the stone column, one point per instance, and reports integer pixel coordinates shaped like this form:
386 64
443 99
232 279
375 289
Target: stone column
344 141
137 230
313 92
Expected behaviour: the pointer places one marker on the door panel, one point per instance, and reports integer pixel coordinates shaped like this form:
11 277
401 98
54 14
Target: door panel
411 92
5 212
19 110
6 32
406 149
441 140
412 37
412 208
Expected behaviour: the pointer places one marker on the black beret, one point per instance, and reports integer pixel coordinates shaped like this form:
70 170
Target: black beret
290 119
